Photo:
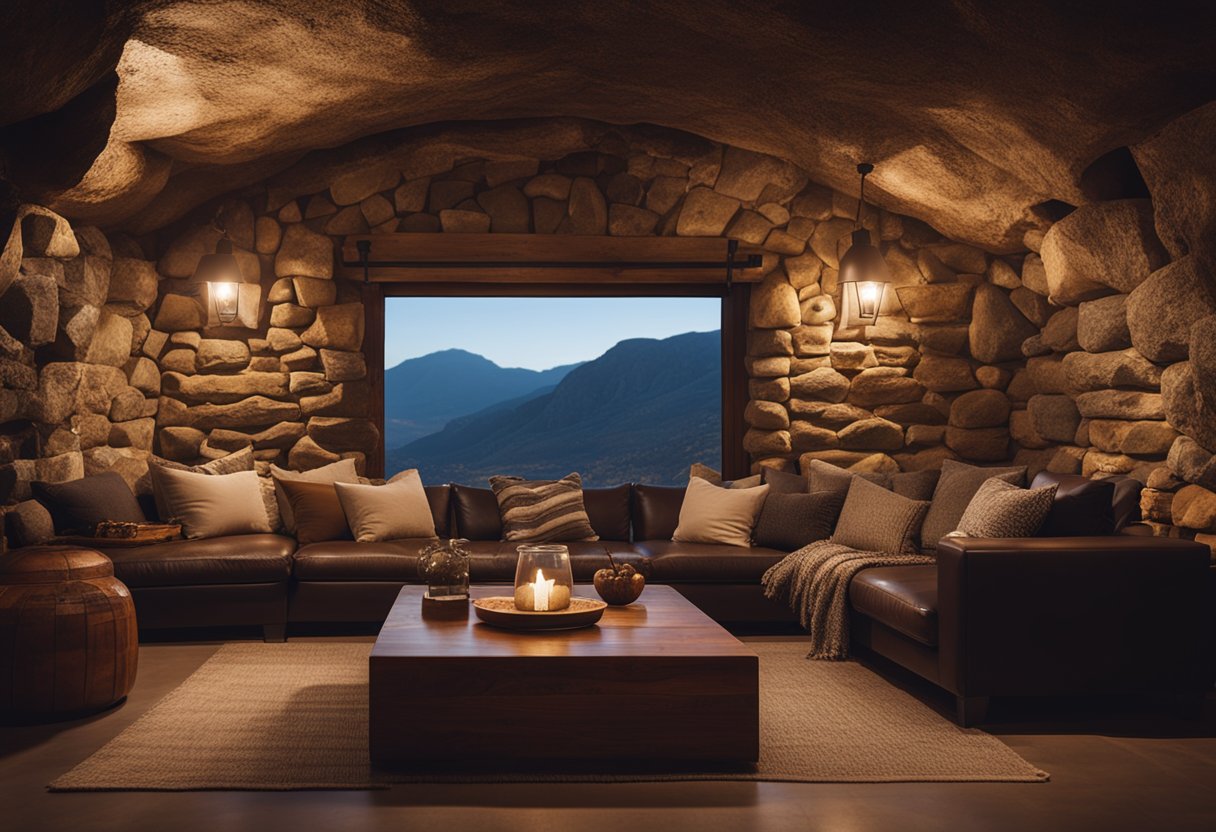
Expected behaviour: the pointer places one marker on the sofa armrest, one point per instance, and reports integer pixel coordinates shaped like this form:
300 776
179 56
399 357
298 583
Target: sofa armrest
1070 615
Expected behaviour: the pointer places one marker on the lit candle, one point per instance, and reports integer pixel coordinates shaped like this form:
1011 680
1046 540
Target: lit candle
542 588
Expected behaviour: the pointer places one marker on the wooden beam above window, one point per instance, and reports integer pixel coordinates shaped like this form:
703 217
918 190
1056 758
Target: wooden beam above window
545 259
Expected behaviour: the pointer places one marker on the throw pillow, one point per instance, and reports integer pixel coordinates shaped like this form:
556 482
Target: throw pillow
1001 509
28 524
79 505
398 509
824 476
211 505
543 510
241 460
955 488
719 515
341 471
791 521
712 475
874 519
317 510
915 485
1082 506
783 482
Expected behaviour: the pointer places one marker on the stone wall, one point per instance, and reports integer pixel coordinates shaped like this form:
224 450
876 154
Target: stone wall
1069 356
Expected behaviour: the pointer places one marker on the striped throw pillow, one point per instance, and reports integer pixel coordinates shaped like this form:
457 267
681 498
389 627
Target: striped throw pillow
542 510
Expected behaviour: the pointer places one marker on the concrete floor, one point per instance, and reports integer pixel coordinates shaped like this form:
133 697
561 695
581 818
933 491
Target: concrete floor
1127 769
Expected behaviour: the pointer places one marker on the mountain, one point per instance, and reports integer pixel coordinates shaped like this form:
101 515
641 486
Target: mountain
421 395
642 411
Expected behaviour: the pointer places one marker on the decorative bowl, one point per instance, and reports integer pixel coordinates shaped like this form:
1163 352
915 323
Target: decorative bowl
500 611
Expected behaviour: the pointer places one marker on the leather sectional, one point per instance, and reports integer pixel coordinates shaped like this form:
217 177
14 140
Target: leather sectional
1115 613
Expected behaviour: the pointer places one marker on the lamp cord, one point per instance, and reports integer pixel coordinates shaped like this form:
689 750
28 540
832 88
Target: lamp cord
861 200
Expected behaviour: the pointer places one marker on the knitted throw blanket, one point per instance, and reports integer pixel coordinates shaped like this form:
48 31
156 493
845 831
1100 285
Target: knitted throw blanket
815 580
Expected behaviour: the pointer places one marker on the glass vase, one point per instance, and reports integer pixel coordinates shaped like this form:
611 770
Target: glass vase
444 565
543 582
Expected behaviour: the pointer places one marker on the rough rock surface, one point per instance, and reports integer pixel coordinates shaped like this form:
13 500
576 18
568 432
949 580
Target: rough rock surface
1162 309
997 327
229 75
1099 248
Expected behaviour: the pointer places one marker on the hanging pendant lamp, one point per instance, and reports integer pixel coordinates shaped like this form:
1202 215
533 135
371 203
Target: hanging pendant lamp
863 272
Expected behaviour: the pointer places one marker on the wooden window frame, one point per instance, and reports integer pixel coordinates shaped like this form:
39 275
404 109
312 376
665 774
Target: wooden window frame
736 462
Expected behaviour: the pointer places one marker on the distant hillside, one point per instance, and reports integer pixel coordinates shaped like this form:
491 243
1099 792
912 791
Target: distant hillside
421 395
644 410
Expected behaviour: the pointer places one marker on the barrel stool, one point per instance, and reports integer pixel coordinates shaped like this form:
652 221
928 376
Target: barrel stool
68 640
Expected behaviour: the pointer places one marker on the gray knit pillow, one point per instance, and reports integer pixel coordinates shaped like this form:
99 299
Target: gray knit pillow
877 520
957 485
1000 509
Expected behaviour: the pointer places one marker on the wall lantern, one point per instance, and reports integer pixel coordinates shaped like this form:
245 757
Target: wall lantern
863 271
228 293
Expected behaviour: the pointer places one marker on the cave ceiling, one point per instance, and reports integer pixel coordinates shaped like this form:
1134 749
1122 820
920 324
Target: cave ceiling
982 118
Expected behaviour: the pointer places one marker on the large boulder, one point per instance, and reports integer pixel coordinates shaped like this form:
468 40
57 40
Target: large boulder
980 409
1161 310
304 253
774 304
251 412
1060 332
997 327
824 384
936 303
178 313
1189 406
1194 507
944 374
766 415
224 389
1102 324
1103 370
336 327
705 213
341 434
979 444
1142 438
872 434
1053 417
29 310
1121 404
343 366
1101 247
133 283
884 385
111 343
1191 462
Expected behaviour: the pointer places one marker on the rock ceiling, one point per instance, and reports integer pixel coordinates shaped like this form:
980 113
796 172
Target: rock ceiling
974 113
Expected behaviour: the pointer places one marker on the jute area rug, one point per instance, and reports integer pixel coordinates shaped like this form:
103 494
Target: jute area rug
294 716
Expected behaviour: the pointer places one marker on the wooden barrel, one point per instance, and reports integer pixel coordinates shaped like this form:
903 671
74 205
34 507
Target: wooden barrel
68 639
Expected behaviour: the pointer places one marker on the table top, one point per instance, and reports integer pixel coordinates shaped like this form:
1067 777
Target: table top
661 623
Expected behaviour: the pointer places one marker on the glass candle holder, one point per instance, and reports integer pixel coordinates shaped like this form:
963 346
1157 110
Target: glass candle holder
542 578
444 565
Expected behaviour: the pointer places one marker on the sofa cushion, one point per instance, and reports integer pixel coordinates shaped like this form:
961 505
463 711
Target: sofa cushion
476 512
235 559
79 505
783 482
672 561
1082 507
393 511
711 514
495 561
316 511
343 470
608 509
348 560
212 505
903 598
440 498
656 511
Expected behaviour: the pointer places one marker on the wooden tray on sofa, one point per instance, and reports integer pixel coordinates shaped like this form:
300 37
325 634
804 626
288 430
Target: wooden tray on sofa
146 534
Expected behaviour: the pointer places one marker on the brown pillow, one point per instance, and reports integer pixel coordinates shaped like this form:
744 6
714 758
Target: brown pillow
877 520
783 482
712 475
317 511
28 524
79 505
791 521
957 485
542 510
344 470
1001 509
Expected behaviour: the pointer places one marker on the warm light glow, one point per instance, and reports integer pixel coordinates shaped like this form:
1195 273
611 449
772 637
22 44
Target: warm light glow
227 301
868 293
542 590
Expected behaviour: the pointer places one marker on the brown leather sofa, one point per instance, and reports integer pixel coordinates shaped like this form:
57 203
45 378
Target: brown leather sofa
1049 616
344 581
1076 612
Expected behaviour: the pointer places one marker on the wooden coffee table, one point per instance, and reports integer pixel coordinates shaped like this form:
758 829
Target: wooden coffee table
657 680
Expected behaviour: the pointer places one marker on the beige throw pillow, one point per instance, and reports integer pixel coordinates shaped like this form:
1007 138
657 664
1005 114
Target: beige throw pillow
719 515
395 510
341 471
212 505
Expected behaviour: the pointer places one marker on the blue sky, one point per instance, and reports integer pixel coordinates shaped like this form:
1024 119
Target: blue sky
536 333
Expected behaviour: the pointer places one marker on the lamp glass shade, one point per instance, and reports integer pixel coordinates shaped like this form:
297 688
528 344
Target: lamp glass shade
227 298
863 279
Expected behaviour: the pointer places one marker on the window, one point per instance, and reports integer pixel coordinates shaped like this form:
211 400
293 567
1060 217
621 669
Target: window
618 389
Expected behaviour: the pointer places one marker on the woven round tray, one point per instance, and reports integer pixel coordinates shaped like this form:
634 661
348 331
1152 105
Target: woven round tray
499 611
